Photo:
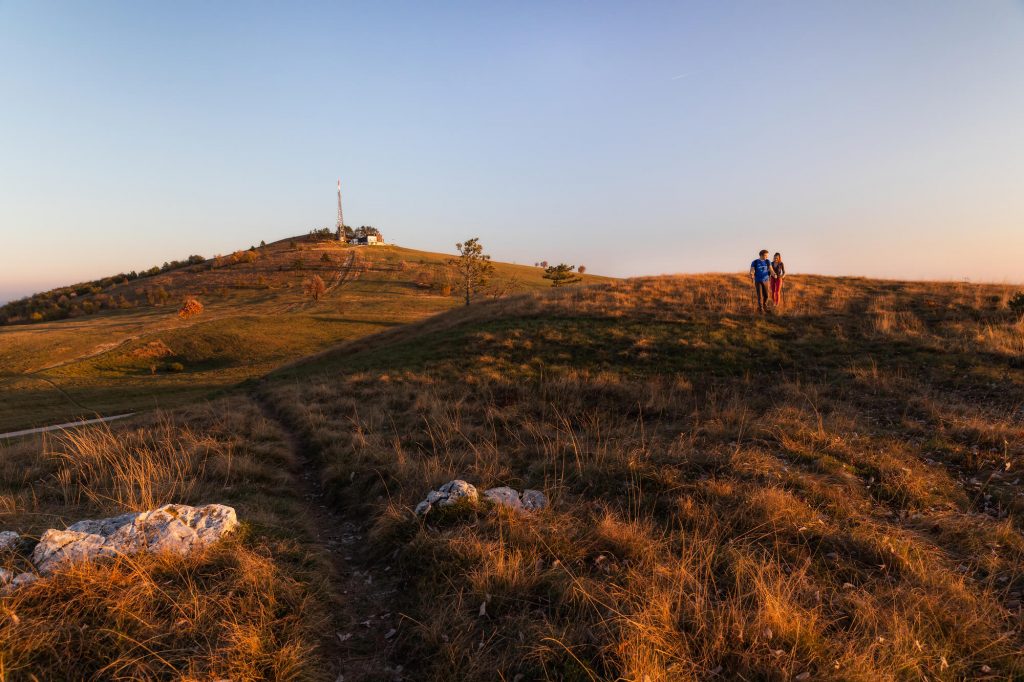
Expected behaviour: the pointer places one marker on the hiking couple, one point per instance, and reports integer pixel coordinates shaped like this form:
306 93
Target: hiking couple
767 277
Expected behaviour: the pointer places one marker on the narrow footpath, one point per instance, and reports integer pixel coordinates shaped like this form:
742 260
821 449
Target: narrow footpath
365 628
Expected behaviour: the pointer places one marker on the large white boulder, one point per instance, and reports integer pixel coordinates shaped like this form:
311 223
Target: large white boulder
175 528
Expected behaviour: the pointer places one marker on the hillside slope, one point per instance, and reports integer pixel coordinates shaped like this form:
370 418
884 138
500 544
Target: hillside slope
832 492
132 351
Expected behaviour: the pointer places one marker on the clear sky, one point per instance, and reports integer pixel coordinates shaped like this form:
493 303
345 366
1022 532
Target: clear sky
879 138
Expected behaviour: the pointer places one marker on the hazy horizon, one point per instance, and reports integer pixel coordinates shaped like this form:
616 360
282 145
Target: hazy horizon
871 139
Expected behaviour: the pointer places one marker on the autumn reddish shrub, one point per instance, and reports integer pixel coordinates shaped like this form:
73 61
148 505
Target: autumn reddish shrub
190 308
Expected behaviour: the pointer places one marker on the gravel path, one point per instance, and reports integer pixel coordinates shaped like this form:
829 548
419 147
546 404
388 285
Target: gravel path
61 427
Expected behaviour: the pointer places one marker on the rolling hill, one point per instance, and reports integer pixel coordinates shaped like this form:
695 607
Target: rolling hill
132 351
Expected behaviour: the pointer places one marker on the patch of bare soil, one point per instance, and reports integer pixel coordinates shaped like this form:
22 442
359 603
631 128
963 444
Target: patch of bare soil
153 349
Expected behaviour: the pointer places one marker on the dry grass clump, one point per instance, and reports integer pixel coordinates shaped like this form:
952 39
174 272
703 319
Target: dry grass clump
231 612
830 492
130 470
152 349
192 456
250 608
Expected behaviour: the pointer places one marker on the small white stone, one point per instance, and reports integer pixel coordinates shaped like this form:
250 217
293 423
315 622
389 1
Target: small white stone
534 500
450 493
23 579
5 576
504 496
455 491
8 538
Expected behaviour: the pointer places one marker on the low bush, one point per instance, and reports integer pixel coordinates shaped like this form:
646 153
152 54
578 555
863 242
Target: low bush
1017 303
190 308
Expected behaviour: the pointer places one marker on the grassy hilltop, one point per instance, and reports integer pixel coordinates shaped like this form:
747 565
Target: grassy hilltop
831 492
257 316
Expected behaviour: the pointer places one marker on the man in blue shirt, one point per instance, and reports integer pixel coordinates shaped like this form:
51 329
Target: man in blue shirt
760 275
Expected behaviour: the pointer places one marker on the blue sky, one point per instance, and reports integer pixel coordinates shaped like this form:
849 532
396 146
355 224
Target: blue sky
874 138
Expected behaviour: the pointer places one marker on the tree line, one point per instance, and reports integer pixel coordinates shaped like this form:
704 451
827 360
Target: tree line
60 303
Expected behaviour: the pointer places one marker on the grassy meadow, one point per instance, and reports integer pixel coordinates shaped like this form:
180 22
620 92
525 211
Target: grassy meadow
257 317
829 492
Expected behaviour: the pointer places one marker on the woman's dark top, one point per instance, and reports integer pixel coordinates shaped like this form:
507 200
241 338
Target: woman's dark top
779 269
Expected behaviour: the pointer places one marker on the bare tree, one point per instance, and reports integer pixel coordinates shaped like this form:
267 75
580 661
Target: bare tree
473 267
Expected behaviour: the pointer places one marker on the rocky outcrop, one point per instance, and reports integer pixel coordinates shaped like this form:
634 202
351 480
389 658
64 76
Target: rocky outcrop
174 528
450 493
460 491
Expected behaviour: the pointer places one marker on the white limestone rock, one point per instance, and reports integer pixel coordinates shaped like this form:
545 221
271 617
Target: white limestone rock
21 580
458 490
5 576
8 539
175 528
447 495
534 500
504 496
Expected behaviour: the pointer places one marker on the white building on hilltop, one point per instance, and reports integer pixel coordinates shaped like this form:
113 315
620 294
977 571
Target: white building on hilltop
367 240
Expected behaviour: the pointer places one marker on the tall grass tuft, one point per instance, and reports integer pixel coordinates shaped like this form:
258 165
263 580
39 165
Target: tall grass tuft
132 470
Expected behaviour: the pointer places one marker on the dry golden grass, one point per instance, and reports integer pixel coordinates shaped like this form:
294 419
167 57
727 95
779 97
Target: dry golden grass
255 318
228 613
134 470
250 608
830 492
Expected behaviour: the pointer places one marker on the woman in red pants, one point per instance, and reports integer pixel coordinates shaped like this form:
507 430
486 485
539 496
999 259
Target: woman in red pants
778 274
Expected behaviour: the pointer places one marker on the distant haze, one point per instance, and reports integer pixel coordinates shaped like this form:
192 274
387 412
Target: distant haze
12 293
880 138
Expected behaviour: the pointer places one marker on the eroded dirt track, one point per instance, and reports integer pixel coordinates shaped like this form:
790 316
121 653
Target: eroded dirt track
365 628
